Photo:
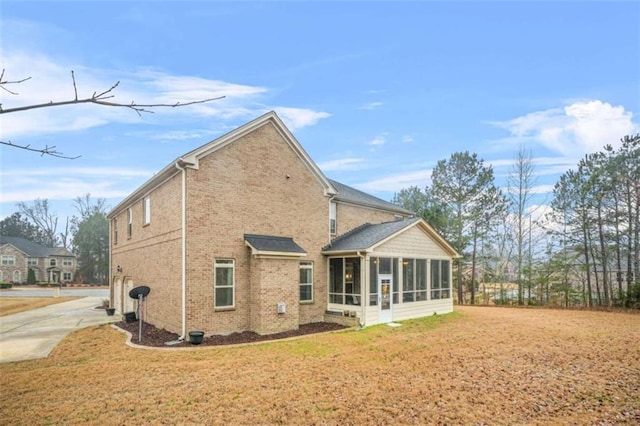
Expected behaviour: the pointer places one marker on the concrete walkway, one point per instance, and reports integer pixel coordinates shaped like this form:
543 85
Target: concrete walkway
33 334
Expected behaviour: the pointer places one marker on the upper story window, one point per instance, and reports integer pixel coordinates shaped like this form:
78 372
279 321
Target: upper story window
223 283
129 223
32 261
52 262
333 225
8 260
146 210
306 281
67 261
115 230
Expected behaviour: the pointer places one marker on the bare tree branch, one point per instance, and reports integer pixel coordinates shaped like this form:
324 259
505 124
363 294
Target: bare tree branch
47 150
3 83
101 98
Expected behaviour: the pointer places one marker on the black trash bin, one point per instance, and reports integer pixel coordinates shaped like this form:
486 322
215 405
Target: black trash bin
195 337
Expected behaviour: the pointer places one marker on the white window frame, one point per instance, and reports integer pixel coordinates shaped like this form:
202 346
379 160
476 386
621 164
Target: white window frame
333 222
32 261
66 276
115 230
8 260
129 223
439 279
229 264
415 293
146 211
53 262
67 261
19 275
306 265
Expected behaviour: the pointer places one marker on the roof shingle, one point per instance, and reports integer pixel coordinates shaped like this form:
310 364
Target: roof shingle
367 235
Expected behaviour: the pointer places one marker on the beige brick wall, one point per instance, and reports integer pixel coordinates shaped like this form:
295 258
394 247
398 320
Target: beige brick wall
152 256
255 185
243 188
271 283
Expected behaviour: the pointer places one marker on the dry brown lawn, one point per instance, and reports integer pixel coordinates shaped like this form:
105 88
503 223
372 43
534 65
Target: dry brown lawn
13 305
476 366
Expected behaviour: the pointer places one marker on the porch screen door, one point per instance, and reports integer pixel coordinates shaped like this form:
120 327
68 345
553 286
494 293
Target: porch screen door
385 307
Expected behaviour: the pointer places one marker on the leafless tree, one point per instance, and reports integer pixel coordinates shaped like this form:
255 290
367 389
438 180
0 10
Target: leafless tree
104 98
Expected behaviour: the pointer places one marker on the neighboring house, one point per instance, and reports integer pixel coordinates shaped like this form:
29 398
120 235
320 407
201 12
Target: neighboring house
50 264
246 233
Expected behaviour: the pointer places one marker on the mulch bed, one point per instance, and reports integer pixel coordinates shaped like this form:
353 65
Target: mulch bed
155 337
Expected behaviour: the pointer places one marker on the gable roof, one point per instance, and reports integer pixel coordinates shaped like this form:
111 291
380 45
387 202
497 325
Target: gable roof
351 195
32 249
368 236
191 159
273 246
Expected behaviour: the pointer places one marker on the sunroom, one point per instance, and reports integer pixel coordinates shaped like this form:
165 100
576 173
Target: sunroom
390 272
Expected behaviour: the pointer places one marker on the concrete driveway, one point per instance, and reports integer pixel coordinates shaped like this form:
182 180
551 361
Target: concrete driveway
33 334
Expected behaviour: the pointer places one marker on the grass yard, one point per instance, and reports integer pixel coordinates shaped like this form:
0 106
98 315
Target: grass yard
13 305
476 366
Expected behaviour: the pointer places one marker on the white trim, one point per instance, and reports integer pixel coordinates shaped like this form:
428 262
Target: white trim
265 254
191 159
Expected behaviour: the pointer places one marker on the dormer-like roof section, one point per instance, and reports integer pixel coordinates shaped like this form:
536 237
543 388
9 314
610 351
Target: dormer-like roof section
269 245
192 159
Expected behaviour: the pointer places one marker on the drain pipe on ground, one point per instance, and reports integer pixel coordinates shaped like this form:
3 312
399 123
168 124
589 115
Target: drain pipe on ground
181 165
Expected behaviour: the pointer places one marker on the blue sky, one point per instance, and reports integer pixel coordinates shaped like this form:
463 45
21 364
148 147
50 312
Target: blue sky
376 92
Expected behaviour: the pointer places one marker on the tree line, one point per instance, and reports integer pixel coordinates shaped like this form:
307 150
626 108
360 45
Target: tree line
584 250
85 234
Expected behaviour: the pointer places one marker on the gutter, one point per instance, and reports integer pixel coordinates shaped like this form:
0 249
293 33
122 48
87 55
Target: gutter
181 165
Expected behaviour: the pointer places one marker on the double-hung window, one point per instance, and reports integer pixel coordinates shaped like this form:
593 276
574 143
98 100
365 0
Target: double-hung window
333 225
8 260
115 230
223 283
146 210
306 281
32 261
129 223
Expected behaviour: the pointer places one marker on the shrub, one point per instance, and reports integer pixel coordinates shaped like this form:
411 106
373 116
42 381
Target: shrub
6 285
31 276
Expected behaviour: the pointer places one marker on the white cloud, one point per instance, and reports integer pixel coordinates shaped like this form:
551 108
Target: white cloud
51 81
371 105
50 183
341 164
576 129
395 183
296 118
378 140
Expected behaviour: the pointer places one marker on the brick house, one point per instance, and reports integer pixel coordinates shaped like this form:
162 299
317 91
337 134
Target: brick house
50 264
246 233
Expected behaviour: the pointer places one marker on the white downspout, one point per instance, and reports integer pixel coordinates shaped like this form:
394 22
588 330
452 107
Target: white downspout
184 248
